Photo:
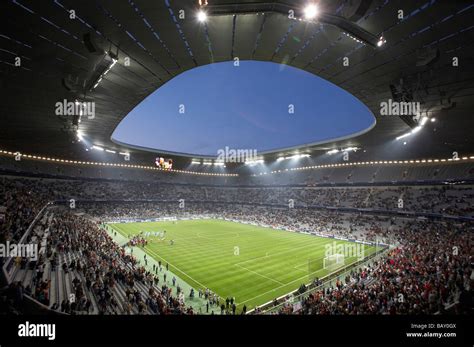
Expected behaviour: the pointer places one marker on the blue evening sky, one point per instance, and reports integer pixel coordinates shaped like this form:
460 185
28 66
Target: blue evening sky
244 107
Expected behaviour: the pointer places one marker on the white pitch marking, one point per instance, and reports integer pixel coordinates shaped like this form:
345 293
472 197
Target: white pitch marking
268 278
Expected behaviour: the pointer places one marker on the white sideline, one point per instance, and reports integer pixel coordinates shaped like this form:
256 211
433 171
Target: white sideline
202 285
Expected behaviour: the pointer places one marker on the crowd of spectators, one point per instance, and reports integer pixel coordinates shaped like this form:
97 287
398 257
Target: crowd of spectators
429 268
105 279
429 272
454 200
21 203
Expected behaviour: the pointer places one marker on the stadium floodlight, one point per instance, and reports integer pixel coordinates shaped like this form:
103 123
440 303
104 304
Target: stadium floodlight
254 162
219 164
433 120
104 66
195 162
80 137
295 156
114 61
402 136
97 83
348 149
381 41
202 16
333 151
110 151
311 11
298 156
97 148
207 163
416 129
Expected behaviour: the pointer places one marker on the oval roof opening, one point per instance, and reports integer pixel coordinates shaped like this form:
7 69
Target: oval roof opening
260 106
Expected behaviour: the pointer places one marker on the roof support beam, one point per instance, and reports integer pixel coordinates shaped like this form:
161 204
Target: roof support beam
342 23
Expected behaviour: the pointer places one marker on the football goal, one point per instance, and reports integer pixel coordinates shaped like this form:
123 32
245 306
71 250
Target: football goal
333 262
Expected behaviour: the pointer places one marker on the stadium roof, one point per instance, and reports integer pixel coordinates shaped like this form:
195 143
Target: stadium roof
66 46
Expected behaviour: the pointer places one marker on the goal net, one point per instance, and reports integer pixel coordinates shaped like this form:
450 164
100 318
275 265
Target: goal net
333 262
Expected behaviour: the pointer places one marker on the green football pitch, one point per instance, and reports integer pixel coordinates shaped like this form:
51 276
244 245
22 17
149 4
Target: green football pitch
253 264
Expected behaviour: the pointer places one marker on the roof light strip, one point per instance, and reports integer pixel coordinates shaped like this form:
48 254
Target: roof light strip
93 163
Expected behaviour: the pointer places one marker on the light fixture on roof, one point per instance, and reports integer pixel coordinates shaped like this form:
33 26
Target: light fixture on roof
202 16
294 156
381 41
79 135
108 62
114 61
402 136
97 148
348 149
254 162
423 120
416 129
333 151
298 156
311 11
353 38
433 120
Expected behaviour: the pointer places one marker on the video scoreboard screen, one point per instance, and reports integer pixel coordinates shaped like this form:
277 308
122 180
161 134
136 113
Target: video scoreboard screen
163 163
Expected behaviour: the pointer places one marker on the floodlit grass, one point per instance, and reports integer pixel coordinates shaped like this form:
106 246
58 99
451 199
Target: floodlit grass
253 264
